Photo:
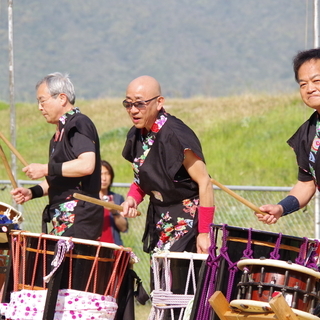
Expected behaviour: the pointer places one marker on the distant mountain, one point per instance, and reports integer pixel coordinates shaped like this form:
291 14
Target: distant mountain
193 47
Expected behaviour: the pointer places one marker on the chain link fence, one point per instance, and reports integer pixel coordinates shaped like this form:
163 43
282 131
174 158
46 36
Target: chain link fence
228 211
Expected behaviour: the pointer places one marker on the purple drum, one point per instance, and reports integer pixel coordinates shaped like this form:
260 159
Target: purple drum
231 244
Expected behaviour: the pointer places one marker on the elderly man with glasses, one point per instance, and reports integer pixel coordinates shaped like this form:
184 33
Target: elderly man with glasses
73 166
169 167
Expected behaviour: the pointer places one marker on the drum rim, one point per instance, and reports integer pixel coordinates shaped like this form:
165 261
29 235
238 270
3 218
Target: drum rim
14 210
279 264
9 207
260 231
75 240
181 255
255 303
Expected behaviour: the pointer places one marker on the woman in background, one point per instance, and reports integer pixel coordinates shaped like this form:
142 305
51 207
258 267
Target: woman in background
114 222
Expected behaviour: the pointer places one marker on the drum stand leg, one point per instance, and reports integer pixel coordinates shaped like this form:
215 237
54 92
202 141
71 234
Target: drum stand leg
280 307
52 293
278 304
220 305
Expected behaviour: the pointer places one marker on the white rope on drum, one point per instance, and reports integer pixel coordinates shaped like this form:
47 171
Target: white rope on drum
162 296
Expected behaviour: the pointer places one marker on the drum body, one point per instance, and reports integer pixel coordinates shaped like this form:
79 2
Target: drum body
89 266
255 244
231 244
263 278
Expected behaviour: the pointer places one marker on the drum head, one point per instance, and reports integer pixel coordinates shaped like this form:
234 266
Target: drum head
277 264
264 307
250 306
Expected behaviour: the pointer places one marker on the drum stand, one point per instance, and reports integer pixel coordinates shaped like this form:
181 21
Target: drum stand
279 306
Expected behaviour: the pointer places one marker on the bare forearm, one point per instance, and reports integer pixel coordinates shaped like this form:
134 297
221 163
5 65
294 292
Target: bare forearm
303 191
206 193
120 222
45 187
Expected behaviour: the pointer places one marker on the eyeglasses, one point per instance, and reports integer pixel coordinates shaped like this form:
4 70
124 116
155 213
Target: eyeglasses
42 102
137 104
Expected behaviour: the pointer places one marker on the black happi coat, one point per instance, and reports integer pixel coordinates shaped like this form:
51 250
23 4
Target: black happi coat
301 143
77 135
174 196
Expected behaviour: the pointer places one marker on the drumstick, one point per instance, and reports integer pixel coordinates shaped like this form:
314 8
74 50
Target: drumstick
237 197
105 204
8 169
13 149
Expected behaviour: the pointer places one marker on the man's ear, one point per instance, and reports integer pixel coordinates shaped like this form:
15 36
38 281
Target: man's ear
63 98
160 101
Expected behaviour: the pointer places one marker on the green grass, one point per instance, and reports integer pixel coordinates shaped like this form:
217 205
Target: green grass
243 137
251 149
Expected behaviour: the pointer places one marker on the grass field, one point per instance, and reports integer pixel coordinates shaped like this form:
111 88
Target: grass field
243 137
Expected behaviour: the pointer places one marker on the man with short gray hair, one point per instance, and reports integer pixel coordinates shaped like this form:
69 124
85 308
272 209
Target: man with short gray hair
73 166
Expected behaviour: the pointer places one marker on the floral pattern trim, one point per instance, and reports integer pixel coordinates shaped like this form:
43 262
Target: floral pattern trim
63 218
170 230
313 152
148 141
190 206
64 117
60 127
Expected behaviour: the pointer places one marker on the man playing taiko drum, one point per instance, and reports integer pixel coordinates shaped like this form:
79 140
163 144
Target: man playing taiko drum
305 142
74 164
168 166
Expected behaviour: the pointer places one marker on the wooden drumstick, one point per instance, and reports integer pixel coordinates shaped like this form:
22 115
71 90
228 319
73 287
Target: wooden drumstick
105 204
237 197
13 149
8 169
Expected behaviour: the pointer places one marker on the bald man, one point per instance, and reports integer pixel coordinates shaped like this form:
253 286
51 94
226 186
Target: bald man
169 167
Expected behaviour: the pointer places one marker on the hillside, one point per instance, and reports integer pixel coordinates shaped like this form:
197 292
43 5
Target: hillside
243 137
194 48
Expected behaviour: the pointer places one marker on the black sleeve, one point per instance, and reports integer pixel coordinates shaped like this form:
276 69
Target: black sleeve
80 144
304 176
